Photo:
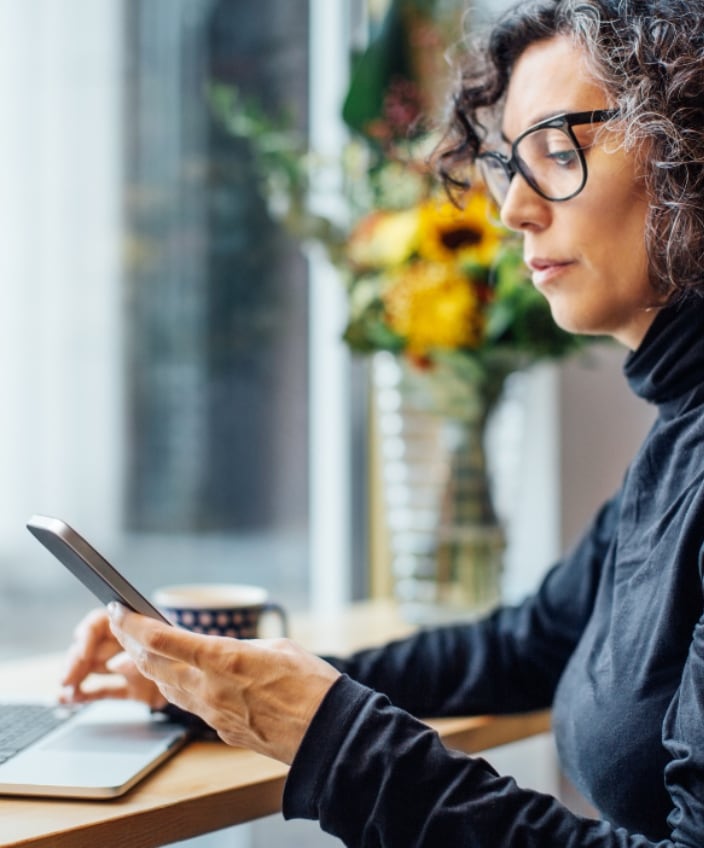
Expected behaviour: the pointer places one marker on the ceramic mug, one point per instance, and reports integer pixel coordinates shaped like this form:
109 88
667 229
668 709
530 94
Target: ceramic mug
219 609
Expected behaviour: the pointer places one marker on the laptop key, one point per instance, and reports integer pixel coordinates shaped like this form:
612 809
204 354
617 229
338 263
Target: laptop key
22 724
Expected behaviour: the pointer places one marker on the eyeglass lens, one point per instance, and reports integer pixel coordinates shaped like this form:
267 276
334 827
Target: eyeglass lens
547 158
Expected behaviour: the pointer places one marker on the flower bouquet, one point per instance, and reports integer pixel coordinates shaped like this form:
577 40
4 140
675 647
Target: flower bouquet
434 284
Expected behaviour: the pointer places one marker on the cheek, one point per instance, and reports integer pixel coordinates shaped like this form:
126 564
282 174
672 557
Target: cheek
628 250
614 234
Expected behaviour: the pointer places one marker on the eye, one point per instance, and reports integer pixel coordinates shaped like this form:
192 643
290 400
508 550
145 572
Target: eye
544 147
565 158
557 148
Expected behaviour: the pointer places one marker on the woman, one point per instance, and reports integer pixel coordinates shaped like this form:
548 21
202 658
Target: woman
586 119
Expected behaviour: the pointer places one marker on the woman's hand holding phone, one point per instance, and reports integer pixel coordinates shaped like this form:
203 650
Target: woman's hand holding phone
259 694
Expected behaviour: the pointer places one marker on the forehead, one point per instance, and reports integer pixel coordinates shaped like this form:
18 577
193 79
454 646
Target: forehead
550 77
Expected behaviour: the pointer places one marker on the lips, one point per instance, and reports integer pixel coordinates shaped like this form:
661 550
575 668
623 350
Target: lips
539 264
547 269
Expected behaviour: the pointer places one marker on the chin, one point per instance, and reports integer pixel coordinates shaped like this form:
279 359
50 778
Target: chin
564 319
574 321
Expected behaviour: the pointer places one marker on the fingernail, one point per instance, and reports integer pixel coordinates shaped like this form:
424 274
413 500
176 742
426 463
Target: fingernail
114 609
115 663
66 694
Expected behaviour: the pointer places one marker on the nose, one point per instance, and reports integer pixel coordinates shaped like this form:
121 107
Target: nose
523 208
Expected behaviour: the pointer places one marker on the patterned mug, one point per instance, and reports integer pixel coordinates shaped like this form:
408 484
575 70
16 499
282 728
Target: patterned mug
219 609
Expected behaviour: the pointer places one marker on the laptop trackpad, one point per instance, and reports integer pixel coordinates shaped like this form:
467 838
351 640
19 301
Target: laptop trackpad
99 753
122 737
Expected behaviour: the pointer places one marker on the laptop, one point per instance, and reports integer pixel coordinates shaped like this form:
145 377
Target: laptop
98 750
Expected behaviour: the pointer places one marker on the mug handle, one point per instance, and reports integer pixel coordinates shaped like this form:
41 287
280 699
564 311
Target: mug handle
277 609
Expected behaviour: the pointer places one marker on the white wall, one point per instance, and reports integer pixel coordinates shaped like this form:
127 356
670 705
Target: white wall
602 424
524 456
559 447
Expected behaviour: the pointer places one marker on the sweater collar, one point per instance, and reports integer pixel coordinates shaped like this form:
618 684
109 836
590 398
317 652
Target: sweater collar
669 363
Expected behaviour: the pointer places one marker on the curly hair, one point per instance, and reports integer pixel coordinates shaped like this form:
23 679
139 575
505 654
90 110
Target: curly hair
649 56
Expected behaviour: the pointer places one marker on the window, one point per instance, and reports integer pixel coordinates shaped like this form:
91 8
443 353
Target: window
156 329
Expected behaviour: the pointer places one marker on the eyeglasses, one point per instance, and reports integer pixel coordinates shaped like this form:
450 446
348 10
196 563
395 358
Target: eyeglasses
547 156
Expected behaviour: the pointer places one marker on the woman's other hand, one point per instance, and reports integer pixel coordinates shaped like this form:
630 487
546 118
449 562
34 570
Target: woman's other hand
256 694
95 650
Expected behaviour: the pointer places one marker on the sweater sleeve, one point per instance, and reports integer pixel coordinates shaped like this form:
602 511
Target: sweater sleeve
376 777
509 662
683 738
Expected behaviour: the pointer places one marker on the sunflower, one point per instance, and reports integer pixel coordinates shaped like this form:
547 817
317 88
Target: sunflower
384 239
465 235
434 305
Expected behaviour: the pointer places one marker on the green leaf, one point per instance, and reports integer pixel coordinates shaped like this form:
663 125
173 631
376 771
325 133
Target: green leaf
384 58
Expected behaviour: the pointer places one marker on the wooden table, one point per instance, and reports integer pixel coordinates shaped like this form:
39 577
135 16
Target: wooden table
208 786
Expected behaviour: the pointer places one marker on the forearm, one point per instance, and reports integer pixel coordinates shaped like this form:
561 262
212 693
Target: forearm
373 775
484 667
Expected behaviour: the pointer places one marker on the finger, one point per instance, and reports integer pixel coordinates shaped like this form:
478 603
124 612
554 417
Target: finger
92 629
93 645
127 682
78 659
83 696
138 686
120 664
139 634
116 664
147 670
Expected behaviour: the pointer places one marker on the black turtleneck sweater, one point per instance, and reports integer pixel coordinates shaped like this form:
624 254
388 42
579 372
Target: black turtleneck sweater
613 640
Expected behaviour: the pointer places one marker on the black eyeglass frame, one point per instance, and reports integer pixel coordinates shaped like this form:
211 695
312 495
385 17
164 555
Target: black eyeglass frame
511 165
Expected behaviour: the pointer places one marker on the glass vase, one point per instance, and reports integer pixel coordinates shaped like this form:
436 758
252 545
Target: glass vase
446 541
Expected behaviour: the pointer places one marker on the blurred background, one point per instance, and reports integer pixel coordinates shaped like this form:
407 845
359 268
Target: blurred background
172 374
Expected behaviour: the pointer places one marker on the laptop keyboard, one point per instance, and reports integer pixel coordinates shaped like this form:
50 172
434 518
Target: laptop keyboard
23 724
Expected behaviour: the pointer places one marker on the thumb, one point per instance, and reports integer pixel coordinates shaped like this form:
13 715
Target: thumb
120 664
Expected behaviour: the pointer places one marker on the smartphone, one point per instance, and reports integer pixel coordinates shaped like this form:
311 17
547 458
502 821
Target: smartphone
85 563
